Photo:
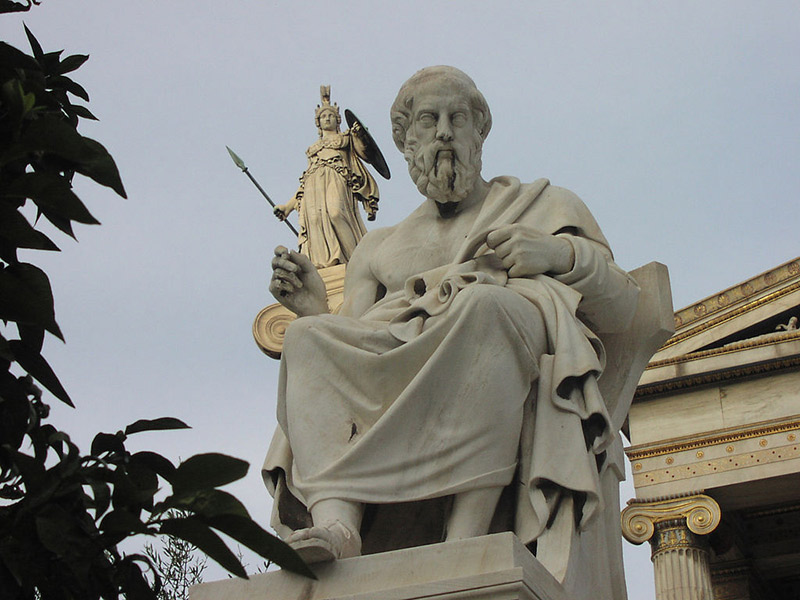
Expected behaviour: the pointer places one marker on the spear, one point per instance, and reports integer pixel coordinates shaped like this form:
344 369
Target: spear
240 163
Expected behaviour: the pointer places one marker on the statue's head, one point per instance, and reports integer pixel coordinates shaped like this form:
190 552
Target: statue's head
327 117
439 122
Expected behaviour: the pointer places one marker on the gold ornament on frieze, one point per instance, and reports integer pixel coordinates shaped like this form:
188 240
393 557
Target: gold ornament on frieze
747 289
700 310
639 519
794 268
722 300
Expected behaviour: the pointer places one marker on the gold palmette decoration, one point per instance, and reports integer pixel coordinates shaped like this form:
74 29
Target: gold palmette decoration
639 519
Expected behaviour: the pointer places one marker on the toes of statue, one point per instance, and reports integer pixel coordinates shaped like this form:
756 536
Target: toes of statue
325 543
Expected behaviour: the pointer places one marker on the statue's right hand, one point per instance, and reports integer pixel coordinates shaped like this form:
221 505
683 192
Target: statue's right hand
296 283
280 212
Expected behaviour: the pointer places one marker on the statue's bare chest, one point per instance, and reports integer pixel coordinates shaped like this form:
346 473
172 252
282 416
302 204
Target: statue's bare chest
416 246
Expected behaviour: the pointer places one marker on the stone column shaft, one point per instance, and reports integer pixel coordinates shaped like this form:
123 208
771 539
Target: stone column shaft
680 561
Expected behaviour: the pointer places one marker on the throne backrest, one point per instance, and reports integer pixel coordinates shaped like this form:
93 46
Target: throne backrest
628 353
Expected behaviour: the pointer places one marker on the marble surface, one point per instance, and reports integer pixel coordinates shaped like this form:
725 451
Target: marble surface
490 567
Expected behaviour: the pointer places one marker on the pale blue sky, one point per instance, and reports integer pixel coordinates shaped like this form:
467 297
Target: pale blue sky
677 123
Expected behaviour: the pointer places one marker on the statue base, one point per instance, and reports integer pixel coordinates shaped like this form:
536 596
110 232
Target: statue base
492 567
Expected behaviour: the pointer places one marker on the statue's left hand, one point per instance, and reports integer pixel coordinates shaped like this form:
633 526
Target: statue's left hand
526 251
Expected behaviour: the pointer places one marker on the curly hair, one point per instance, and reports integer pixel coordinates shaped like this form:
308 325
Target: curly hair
448 76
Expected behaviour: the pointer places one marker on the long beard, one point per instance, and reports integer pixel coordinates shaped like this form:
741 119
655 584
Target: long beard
444 172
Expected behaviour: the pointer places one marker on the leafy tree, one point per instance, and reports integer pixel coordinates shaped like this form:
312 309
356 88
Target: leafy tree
63 514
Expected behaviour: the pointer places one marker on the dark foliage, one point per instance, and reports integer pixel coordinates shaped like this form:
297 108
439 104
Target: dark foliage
9 6
64 513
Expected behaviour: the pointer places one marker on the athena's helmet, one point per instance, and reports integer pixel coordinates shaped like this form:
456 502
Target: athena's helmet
325 95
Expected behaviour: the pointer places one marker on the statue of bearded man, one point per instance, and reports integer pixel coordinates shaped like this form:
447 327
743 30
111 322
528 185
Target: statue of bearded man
456 390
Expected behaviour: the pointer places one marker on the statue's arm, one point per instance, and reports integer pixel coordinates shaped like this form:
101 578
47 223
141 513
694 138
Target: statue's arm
357 143
282 210
574 252
609 293
361 287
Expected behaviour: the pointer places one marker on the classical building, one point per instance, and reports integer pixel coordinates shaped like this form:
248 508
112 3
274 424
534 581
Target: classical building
715 446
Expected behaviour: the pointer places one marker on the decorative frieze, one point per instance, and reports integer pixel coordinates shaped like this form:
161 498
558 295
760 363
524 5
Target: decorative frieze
717 303
714 455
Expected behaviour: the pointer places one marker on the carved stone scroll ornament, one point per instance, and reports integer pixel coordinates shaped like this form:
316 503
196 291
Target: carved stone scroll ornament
701 512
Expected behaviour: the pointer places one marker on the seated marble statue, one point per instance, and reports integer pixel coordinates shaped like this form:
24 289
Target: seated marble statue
463 364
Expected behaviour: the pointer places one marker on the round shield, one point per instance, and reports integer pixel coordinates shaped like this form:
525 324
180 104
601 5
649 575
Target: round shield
374 155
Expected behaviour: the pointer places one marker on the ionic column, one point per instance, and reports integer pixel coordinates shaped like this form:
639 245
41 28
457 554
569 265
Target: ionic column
676 529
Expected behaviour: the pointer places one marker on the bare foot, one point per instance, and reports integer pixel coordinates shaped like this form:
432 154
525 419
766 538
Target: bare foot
324 543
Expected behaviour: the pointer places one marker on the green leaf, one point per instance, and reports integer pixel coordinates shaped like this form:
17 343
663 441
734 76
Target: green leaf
249 533
81 111
197 533
205 503
122 522
101 497
155 462
59 532
71 63
32 336
107 442
15 229
53 194
26 297
159 424
12 58
207 471
102 168
134 585
5 350
52 135
37 366
35 46
65 83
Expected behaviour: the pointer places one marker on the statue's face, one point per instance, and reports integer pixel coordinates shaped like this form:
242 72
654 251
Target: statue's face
327 120
442 146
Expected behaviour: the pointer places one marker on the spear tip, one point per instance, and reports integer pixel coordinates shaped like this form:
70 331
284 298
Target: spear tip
238 161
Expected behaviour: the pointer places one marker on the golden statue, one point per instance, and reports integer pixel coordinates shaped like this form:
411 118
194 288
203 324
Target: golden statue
332 185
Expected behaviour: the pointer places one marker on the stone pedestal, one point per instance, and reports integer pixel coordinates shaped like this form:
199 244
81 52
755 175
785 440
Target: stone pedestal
496 567
676 529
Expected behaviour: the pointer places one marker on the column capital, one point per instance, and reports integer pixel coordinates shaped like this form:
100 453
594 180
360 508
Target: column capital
640 518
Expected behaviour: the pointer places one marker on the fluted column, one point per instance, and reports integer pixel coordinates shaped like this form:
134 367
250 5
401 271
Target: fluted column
676 529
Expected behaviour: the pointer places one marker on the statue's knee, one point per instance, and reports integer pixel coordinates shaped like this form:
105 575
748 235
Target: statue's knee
298 332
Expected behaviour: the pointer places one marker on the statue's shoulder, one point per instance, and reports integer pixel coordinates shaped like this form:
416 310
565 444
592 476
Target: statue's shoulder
374 238
559 208
556 200
562 196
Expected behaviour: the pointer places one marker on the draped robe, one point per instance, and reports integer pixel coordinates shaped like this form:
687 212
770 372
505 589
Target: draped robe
463 379
330 189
